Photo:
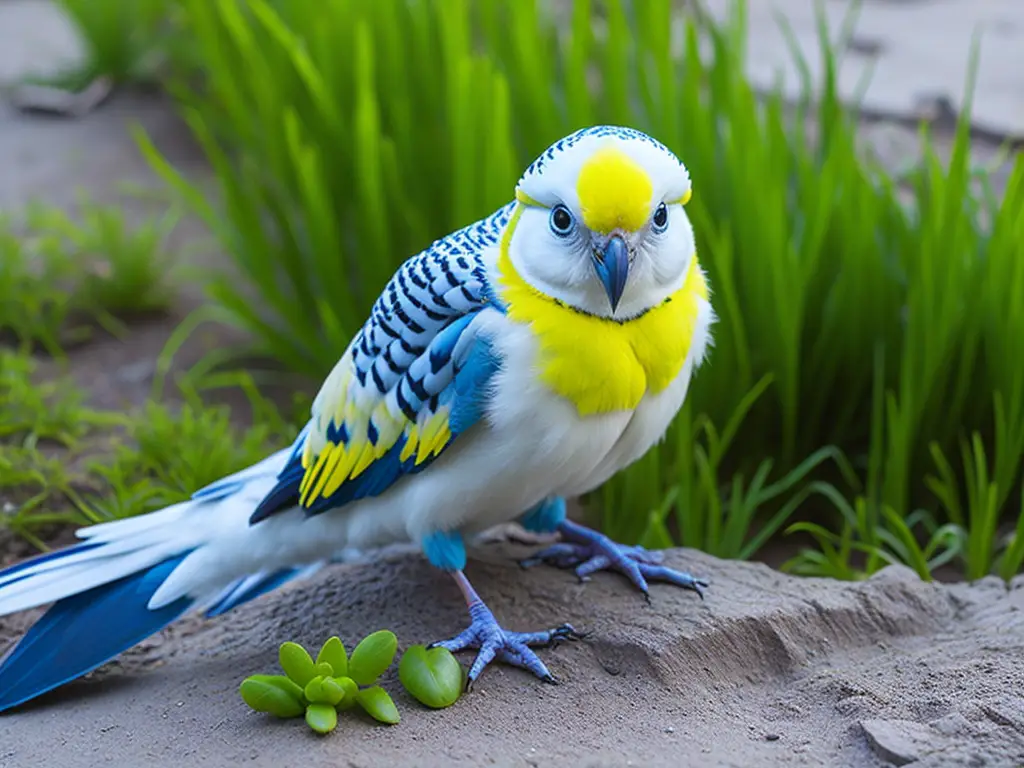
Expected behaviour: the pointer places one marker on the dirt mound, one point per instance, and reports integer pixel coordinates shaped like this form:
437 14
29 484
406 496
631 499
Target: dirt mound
769 670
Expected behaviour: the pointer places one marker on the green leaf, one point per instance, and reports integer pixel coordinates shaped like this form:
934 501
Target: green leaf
331 691
378 704
314 691
324 669
350 689
275 694
322 718
434 677
296 663
372 656
333 653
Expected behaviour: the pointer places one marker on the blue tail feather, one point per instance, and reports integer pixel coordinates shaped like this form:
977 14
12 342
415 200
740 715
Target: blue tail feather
81 632
250 588
17 572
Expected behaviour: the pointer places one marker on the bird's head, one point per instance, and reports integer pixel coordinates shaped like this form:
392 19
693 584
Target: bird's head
600 224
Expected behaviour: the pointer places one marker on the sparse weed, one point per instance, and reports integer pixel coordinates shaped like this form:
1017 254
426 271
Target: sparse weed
60 277
32 485
171 452
162 455
34 411
39 421
125 268
34 304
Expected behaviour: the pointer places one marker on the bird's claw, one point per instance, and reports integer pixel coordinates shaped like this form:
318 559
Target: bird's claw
514 648
588 552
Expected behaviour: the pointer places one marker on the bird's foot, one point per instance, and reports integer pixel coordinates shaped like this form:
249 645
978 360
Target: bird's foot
494 642
588 551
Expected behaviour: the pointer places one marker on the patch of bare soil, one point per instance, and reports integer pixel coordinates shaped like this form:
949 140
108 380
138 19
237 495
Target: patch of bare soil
769 670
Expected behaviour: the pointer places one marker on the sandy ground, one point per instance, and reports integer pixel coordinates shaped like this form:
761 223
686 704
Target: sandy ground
768 670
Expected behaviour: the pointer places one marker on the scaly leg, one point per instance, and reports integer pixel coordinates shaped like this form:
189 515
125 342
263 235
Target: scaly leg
446 550
494 642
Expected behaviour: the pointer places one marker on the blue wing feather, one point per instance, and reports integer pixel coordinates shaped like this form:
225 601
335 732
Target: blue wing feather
465 395
251 587
470 386
418 358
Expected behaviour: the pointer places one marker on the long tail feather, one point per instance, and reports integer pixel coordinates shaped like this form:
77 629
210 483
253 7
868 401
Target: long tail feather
130 578
251 587
81 632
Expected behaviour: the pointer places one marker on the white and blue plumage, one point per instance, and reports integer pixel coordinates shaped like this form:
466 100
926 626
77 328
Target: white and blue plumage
521 360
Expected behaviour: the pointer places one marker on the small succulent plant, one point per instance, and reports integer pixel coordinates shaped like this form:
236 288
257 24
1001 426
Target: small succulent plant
335 682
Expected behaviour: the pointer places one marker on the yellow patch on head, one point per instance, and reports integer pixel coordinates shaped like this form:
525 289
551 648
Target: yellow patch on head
614 192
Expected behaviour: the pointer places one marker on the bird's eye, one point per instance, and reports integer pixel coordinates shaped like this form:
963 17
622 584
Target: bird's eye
561 220
660 220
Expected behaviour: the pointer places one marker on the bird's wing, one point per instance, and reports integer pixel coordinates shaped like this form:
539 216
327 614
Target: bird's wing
411 381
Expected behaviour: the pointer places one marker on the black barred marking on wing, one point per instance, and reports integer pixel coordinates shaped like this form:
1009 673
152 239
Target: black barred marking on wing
410 349
404 401
416 385
445 281
377 380
395 368
411 296
405 358
400 311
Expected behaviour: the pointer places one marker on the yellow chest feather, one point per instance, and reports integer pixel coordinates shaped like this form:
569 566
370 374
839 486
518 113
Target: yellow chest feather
603 365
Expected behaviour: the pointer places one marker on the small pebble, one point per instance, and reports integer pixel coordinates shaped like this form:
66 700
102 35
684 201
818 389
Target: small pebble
670 729
771 737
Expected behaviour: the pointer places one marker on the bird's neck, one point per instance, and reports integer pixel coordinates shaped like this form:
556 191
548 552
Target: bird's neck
601 364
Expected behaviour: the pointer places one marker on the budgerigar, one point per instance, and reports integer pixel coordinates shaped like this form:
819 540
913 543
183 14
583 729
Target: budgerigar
516 362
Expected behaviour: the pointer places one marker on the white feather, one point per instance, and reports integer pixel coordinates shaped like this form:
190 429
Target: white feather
134 544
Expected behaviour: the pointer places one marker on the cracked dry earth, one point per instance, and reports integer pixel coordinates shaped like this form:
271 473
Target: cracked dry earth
769 670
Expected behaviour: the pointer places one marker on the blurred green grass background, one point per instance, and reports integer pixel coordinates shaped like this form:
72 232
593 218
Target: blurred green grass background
865 388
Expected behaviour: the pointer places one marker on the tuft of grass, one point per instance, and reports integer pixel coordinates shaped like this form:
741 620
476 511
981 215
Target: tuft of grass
168 453
61 276
354 141
34 306
124 268
724 522
34 412
53 470
857 332
41 423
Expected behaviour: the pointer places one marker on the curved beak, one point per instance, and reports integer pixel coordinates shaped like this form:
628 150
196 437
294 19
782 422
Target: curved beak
612 266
